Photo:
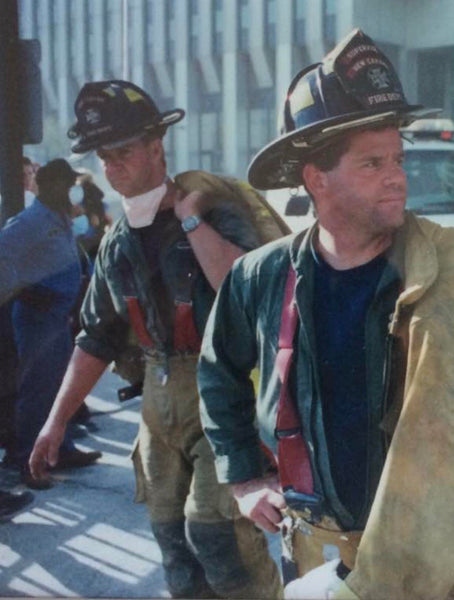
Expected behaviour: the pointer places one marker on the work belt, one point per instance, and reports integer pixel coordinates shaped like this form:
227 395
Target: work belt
306 546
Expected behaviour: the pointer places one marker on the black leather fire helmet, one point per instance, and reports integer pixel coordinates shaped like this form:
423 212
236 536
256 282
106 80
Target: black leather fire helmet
354 86
111 113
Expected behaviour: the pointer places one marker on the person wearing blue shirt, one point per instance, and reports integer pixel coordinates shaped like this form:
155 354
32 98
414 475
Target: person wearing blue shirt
40 269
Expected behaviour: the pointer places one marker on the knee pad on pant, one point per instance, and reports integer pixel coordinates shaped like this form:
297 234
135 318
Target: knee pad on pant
216 548
183 573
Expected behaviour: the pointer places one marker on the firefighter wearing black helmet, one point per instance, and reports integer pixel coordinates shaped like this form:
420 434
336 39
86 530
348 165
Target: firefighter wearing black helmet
351 323
155 278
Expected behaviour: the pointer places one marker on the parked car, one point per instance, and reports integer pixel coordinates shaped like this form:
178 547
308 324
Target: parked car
429 164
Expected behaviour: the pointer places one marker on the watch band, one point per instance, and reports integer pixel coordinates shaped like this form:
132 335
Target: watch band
190 223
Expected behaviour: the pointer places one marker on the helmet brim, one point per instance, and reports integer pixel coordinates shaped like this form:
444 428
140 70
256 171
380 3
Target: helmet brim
279 164
119 136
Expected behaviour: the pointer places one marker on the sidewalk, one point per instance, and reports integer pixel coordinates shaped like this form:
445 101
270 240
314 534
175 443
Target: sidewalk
85 537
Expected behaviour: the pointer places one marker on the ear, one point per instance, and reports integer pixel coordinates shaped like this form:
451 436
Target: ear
314 179
157 147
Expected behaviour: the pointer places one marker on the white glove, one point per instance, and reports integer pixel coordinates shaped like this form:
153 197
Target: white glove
321 583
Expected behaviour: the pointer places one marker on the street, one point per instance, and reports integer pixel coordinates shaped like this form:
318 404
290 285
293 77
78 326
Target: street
85 537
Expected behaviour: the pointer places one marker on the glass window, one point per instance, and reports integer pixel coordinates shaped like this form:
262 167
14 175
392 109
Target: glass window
300 22
149 16
270 23
329 21
218 25
262 119
243 40
170 20
210 132
194 30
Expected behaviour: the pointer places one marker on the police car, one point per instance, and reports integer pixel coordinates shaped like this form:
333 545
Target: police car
429 164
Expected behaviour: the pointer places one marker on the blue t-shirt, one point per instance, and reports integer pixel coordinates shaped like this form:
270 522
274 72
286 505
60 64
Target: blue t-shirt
341 303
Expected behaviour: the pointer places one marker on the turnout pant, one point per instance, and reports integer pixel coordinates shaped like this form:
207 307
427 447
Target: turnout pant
208 549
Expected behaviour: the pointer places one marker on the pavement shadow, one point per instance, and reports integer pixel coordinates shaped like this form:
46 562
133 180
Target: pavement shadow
85 537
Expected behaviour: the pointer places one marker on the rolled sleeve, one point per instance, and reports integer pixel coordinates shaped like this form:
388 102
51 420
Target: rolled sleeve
104 330
226 390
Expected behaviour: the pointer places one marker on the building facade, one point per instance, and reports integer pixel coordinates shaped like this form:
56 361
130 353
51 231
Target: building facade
228 63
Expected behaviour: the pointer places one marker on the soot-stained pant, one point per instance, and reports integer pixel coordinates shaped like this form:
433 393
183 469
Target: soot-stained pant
208 548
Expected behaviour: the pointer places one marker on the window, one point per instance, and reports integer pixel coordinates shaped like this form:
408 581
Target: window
149 29
211 133
300 22
170 21
270 23
329 22
262 119
243 41
218 25
194 30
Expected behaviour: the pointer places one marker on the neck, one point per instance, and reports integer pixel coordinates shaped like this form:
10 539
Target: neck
346 252
56 204
169 199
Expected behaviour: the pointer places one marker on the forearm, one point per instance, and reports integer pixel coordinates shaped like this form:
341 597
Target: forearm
214 253
82 373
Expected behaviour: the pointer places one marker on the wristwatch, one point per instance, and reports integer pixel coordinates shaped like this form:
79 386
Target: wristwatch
190 223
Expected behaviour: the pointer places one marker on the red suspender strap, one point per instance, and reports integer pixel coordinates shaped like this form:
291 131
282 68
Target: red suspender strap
185 336
293 459
138 321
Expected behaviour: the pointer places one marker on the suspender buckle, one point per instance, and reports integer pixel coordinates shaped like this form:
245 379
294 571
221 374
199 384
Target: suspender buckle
285 433
310 505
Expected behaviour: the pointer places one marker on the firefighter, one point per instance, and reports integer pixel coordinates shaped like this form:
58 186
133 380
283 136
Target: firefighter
155 278
351 322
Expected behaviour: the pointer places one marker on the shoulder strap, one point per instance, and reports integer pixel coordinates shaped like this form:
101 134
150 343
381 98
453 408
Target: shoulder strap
294 465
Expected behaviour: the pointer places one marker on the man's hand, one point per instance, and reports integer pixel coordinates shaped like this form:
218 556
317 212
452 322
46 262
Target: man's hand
187 205
261 500
45 450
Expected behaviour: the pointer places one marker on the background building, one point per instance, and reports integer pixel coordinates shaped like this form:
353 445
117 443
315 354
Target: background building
228 63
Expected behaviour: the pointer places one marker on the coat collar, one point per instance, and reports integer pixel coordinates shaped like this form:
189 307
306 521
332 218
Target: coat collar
413 253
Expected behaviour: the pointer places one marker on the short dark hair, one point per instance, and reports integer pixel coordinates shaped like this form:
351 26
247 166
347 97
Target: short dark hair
328 156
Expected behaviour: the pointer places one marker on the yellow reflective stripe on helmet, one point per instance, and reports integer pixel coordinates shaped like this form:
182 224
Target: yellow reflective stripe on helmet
301 98
133 95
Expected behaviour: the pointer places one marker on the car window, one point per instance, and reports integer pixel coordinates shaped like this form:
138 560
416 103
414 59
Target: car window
430 177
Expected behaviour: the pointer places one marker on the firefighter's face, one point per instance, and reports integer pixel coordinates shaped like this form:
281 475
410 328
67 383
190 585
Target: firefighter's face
135 168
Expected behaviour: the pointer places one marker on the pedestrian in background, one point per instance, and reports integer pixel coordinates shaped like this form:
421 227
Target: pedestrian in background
29 180
39 268
97 214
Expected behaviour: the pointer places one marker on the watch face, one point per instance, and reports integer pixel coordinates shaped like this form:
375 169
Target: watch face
190 223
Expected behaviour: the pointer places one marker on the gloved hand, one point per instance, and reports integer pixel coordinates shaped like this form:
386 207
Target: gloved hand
321 583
